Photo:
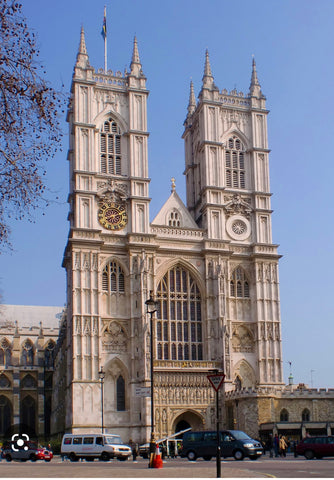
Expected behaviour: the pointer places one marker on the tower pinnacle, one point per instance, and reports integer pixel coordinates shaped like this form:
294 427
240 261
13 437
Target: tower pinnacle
207 77
82 56
192 100
135 65
255 87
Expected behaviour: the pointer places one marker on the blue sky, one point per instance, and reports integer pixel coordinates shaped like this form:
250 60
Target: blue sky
292 42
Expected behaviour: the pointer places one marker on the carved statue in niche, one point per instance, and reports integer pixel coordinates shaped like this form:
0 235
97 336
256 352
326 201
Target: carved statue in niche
114 338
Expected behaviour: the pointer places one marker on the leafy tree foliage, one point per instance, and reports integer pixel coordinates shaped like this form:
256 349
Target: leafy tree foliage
30 111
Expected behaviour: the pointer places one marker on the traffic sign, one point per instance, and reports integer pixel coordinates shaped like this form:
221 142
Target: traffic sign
216 380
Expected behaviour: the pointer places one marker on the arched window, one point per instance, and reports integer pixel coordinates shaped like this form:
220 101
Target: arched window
5 352
306 415
4 381
110 148
174 219
120 394
48 354
284 415
113 278
179 318
28 382
5 414
27 356
239 286
235 163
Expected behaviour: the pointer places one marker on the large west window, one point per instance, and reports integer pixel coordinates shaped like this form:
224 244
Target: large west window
235 163
179 319
110 148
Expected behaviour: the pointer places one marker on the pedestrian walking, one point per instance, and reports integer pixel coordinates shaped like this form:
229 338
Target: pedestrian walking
282 446
276 445
134 449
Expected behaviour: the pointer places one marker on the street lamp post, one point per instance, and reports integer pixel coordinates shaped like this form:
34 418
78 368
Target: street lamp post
101 376
151 308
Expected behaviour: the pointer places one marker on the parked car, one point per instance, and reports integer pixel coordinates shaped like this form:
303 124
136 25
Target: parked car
318 447
233 443
90 446
28 451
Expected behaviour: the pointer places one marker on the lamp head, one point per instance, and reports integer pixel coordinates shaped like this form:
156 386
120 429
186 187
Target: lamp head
151 304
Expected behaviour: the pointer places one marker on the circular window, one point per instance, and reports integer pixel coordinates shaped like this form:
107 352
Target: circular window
238 227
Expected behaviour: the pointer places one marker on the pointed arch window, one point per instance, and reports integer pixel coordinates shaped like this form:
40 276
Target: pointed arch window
28 412
306 415
5 352
27 355
110 148
239 286
113 278
284 415
49 354
235 163
120 394
179 318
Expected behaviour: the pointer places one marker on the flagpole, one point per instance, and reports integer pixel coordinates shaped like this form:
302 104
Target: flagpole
105 41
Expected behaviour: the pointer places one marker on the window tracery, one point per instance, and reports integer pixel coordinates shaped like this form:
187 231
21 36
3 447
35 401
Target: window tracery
113 278
235 163
239 286
110 148
179 320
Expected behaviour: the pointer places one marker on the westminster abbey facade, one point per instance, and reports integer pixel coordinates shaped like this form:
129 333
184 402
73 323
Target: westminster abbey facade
210 263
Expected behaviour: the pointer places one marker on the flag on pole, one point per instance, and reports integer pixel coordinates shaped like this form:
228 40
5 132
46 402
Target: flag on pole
104 25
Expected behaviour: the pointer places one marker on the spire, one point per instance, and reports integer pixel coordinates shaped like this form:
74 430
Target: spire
135 66
82 46
255 87
173 184
82 56
192 100
207 77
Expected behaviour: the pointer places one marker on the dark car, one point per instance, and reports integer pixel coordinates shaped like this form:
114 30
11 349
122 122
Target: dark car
28 451
318 447
233 443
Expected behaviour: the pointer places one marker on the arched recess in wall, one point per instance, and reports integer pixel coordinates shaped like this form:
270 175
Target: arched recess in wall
114 287
244 373
6 412
116 386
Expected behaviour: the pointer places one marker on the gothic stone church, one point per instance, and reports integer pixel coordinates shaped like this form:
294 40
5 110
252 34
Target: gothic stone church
210 264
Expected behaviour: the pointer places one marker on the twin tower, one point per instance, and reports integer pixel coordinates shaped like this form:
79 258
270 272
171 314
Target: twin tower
211 263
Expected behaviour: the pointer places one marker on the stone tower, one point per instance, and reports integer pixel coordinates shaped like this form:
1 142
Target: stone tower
228 195
107 248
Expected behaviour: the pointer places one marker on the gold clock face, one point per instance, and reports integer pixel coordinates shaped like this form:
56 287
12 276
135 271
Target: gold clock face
112 216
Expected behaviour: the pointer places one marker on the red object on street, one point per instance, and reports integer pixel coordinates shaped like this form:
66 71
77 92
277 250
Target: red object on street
157 461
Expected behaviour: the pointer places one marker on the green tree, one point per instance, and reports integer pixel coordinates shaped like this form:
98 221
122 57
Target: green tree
30 114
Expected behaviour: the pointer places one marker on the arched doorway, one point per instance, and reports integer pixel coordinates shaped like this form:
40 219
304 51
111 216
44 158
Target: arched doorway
188 419
182 425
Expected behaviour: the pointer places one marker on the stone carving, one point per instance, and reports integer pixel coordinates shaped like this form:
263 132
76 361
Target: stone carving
242 339
114 338
236 205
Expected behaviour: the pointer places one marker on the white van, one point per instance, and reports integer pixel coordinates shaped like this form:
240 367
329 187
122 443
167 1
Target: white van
91 445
